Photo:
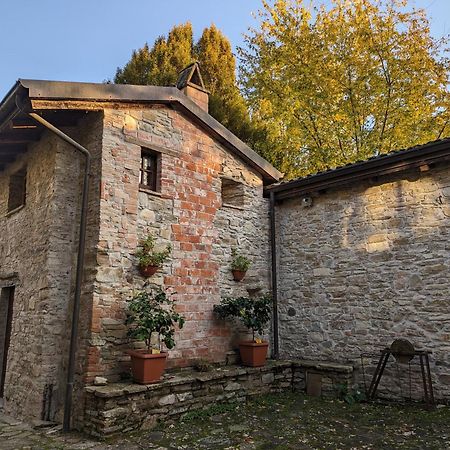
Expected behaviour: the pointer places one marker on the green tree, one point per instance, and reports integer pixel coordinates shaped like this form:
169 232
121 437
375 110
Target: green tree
137 70
336 85
161 64
226 103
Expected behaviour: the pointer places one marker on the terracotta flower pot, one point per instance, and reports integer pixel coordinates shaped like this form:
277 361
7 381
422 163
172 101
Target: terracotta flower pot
253 354
147 368
238 275
148 271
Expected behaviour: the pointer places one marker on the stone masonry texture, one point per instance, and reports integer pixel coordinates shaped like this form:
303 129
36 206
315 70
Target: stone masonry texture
187 213
37 248
123 407
38 324
363 266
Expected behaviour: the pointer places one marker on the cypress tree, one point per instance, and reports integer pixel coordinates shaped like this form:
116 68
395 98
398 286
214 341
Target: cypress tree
161 64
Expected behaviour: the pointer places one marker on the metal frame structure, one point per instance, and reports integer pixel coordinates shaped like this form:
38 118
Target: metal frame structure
424 361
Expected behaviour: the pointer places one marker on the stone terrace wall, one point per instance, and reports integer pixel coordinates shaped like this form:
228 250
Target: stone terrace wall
188 214
365 265
123 407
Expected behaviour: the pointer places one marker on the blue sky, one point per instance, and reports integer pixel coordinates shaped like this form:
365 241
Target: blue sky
85 40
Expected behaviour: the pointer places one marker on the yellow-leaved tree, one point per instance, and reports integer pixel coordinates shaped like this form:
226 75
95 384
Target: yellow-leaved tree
340 84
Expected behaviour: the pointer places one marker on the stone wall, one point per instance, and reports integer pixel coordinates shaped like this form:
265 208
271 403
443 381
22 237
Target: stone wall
65 233
38 247
367 264
187 213
24 247
123 407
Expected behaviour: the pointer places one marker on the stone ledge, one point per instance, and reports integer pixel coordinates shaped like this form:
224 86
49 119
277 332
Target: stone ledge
322 366
184 377
122 407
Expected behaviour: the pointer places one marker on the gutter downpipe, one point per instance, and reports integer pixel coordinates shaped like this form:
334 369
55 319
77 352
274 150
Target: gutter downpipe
273 248
80 267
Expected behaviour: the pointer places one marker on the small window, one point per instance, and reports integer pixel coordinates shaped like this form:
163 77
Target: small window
17 189
232 193
149 175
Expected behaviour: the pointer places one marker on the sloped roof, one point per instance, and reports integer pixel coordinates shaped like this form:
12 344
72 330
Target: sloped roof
396 161
15 135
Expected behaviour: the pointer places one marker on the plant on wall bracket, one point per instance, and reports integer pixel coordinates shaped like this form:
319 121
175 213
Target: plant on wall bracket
149 259
239 265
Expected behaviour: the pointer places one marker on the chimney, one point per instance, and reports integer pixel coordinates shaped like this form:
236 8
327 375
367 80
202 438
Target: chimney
190 83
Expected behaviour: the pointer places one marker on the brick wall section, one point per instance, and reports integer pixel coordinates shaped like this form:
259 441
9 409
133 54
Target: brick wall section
188 214
366 265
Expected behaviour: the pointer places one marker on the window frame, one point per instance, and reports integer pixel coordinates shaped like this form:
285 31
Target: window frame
17 201
155 157
230 184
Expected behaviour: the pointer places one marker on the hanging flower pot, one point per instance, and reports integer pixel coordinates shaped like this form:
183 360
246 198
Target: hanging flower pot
238 275
239 265
148 271
149 259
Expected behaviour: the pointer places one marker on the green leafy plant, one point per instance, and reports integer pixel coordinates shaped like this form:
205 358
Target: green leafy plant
350 395
239 262
150 312
254 313
147 255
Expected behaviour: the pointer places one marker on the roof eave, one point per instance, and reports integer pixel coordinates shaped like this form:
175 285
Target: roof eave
56 90
432 152
8 106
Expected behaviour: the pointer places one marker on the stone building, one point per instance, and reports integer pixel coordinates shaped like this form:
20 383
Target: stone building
205 198
363 259
361 252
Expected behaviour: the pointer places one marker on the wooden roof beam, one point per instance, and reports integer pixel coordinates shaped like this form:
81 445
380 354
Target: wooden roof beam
19 137
12 148
23 123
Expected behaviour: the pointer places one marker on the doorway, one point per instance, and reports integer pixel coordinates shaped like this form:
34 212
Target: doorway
6 314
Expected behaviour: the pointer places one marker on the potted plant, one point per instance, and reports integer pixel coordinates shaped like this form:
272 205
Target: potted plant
149 259
239 265
151 313
255 314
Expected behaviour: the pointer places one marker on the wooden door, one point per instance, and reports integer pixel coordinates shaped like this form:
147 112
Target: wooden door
6 314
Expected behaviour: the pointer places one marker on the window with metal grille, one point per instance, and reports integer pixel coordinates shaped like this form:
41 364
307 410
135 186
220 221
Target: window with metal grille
149 175
17 189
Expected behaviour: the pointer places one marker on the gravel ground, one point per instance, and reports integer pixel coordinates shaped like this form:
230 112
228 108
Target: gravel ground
284 421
